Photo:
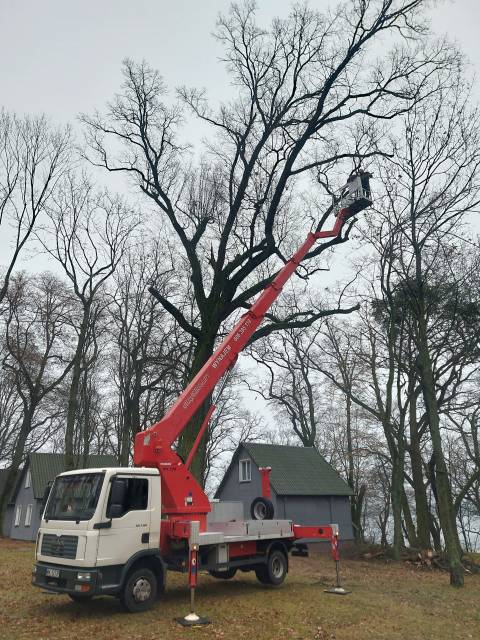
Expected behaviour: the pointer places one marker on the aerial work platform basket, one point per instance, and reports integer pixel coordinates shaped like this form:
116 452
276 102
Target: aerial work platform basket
356 195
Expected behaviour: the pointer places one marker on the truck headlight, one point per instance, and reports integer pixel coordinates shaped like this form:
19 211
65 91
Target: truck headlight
84 575
34 570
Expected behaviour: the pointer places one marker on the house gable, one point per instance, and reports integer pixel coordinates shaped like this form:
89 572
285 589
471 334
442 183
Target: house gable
24 519
305 489
231 476
233 488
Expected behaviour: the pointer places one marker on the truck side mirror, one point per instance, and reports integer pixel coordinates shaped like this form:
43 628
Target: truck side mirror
118 495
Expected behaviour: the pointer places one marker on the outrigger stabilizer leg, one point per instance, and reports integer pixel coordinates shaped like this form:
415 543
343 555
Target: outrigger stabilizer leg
192 619
337 590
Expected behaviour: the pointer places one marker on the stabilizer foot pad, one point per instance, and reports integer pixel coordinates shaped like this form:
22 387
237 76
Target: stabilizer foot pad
192 620
337 591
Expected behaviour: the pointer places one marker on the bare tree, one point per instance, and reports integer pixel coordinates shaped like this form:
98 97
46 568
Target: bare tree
302 86
38 343
231 423
88 236
378 389
464 467
148 352
291 387
431 185
33 157
10 412
302 397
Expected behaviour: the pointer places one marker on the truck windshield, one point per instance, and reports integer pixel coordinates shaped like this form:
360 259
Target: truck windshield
74 497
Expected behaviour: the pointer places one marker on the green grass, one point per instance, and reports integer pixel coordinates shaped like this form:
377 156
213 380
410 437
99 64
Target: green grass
388 601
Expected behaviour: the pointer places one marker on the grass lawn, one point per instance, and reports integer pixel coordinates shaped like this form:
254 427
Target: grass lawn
388 600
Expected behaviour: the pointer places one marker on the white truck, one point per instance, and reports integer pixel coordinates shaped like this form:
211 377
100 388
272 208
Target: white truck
100 535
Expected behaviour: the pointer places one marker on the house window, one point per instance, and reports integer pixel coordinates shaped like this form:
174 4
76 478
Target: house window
18 515
28 515
245 471
28 480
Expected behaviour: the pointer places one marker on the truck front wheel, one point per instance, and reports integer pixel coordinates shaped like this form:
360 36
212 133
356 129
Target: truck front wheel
275 571
139 591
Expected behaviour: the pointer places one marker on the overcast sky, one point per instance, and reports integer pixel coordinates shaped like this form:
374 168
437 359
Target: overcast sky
63 57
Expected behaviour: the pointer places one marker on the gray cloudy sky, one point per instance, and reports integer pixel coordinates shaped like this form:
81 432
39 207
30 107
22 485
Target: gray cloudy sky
63 57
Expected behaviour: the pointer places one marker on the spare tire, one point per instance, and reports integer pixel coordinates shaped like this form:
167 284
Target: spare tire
262 509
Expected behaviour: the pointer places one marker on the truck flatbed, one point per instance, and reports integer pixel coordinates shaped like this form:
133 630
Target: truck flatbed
243 531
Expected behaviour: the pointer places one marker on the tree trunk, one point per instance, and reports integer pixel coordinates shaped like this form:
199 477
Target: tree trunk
356 500
409 524
86 419
126 428
421 501
397 491
444 492
73 399
356 505
16 461
416 462
435 533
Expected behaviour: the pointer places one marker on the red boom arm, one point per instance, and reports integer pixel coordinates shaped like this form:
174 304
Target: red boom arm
181 494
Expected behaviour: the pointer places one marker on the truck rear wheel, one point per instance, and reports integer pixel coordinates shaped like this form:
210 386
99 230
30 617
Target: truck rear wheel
223 575
139 591
275 571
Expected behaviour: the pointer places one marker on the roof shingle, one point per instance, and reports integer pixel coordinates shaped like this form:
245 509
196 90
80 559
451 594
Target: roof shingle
45 466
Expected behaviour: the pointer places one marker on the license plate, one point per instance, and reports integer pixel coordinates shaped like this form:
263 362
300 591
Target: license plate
52 573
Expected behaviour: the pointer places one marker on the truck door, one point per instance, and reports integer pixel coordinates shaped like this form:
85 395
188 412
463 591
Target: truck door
128 507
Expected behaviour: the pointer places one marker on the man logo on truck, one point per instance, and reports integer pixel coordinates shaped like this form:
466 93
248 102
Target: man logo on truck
58 547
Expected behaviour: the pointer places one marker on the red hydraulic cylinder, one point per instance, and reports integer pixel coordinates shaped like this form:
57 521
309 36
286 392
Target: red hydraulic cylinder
199 437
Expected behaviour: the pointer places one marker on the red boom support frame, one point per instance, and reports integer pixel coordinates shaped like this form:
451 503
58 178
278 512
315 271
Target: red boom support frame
182 496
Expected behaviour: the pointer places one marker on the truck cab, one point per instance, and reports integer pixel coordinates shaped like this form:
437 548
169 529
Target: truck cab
98 528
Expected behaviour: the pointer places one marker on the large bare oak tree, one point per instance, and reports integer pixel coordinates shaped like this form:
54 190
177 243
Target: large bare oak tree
308 94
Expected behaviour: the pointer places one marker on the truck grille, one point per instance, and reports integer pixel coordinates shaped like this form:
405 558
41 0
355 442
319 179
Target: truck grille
59 546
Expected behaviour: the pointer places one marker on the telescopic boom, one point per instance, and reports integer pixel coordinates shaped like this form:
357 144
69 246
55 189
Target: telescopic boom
153 447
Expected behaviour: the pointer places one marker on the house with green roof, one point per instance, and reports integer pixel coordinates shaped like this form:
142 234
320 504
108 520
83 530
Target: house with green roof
305 488
25 507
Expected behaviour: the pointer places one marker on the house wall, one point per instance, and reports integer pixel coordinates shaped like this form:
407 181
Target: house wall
25 497
312 510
